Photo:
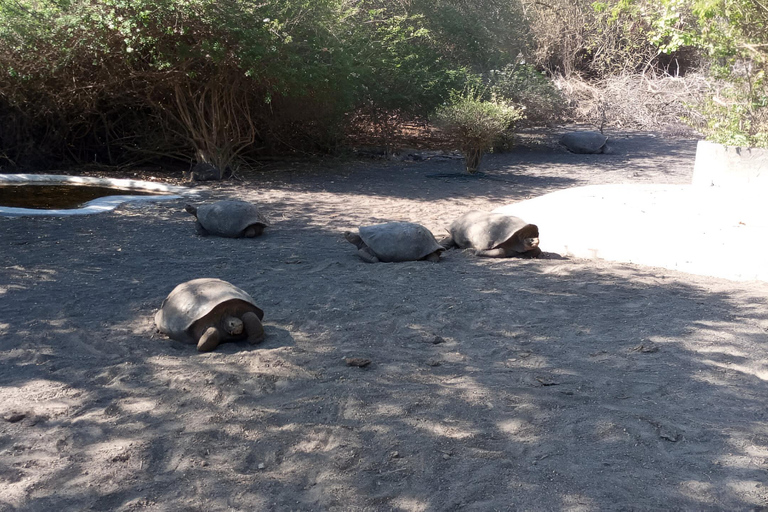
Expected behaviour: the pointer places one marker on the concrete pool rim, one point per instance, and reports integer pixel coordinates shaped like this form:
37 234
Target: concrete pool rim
99 205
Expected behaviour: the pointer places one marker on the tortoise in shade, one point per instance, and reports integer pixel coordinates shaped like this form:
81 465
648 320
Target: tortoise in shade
494 235
584 142
395 241
208 312
228 218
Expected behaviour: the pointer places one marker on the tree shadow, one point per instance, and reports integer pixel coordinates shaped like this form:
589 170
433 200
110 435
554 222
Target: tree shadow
520 384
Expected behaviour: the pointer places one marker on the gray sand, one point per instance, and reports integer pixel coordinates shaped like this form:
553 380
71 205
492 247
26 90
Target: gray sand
551 384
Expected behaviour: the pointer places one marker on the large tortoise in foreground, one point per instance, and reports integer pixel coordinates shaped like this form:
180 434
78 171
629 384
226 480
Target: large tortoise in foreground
228 218
494 235
395 241
208 312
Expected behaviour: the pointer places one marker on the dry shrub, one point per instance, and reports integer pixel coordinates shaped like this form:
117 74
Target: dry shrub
559 29
601 38
638 101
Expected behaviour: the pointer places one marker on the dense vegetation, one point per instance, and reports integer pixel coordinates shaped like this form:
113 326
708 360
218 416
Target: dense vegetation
226 81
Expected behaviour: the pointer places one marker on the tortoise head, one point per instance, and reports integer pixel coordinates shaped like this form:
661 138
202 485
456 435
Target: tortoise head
233 325
529 236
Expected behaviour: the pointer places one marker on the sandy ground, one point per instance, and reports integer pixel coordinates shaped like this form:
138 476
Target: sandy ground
551 384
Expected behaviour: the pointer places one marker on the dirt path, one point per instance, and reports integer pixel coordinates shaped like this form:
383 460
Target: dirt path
546 384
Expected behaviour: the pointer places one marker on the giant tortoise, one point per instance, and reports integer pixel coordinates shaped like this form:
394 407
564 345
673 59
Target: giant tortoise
395 241
494 235
209 312
228 218
584 142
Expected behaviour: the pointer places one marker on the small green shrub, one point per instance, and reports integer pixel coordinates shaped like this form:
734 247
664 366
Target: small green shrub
733 36
737 113
475 123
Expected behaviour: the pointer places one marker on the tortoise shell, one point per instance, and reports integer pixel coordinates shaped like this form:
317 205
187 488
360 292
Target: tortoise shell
229 218
193 300
485 230
399 241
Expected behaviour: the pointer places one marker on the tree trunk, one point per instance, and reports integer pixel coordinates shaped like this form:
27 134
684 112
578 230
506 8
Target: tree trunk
472 158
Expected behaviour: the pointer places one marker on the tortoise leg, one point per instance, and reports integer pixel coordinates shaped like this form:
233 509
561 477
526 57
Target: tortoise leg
363 250
499 252
253 327
200 229
502 252
209 340
367 255
434 257
533 253
354 239
524 247
253 231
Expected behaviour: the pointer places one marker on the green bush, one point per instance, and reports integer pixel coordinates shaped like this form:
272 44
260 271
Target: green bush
734 37
475 123
209 74
521 84
736 113
223 80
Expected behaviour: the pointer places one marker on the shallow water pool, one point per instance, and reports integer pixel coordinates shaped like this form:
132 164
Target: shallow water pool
24 195
58 196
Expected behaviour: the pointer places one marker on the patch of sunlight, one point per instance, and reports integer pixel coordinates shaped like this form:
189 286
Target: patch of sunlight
548 293
518 429
709 378
760 372
440 429
505 333
288 427
138 405
38 390
89 419
39 274
696 491
49 398
164 363
757 451
469 389
718 331
305 337
138 325
389 410
720 349
736 461
320 443
744 488
9 288
109 449
745 443
409 504
578 503
56 322
610 432
453 357
526 360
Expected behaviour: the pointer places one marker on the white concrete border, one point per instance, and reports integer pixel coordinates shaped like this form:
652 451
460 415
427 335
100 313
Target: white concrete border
714 231
718 165
99 205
